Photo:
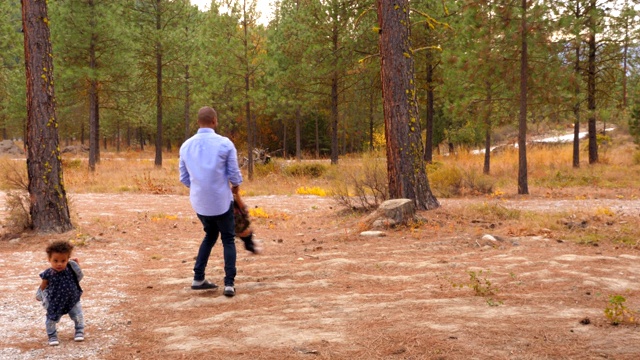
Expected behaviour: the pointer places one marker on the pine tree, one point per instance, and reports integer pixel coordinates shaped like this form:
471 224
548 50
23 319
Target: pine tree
49 210
405 165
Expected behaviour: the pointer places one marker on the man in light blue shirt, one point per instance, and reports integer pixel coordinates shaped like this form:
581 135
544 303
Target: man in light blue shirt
209 168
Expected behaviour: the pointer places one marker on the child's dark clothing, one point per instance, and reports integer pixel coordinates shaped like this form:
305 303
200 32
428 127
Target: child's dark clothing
61 297
62 293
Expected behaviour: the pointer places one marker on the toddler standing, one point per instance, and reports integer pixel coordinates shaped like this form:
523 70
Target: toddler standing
60 290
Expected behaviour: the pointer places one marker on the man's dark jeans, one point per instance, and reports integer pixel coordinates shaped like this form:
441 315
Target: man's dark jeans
213 226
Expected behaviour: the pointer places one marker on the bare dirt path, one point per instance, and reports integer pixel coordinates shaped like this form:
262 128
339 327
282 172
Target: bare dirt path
321 291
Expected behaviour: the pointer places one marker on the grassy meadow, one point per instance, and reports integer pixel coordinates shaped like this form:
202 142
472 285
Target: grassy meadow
550 171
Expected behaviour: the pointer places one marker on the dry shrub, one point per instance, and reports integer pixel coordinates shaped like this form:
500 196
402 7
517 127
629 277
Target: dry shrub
363 185
19 219
313 170
636 158
15 179
450 180
271 167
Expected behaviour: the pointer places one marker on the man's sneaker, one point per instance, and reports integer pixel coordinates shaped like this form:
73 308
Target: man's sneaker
203 285
229 291
53 340
79 336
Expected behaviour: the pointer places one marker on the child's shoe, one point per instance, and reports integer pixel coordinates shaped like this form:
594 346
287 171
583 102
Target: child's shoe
79 336
53 340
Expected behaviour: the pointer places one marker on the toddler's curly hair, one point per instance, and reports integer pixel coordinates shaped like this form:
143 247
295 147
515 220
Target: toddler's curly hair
60 247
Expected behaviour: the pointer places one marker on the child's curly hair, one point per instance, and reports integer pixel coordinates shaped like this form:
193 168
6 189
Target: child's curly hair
60 247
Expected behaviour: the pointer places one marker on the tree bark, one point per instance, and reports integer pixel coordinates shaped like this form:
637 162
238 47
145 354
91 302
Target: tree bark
298 133
158 159
488 127
187 104
576 106
591 86
334 95
48 209
405 165
523 186
247 87
94 108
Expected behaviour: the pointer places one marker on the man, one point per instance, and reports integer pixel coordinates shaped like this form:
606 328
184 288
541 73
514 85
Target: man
208 164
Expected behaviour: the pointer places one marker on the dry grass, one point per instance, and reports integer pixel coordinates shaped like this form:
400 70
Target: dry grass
550 169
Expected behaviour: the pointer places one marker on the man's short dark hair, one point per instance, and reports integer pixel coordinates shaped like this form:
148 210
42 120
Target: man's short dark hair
206 115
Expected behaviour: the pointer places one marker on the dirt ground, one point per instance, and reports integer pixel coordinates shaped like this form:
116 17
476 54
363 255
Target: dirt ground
321 290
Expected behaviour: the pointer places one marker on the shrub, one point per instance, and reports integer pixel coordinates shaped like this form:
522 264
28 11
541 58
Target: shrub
364 186
313 170
636 158
311 191
19 219
14 178
266 169
445 181
71 163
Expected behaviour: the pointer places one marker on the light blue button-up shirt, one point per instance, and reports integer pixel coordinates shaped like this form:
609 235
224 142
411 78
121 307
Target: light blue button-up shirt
208 163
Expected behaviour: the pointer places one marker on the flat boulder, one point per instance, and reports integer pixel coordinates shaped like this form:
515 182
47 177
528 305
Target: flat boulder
391 213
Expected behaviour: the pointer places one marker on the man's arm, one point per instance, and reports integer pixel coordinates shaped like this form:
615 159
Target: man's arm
184 173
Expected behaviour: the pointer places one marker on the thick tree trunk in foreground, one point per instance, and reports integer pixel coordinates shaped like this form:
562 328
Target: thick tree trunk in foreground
49 210
405 164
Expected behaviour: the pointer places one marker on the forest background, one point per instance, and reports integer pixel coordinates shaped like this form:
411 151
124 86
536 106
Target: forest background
307 83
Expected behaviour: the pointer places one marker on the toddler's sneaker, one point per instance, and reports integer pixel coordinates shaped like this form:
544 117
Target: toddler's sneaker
79 336
53 340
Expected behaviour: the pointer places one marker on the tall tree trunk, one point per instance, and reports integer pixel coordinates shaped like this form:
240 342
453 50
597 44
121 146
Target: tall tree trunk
428 146
405 165
488 127
334 119
625 59
372 100
158 159
523 185
591 86
334 96
317 138
128 135
48 208
94 115
284 139
250 143
187 104
118 135
576 106
298 133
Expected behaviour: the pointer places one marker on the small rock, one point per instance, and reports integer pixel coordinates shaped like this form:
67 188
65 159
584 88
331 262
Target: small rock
488 237
373 233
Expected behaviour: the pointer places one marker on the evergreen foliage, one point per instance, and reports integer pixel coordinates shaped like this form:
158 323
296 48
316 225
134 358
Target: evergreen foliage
313 71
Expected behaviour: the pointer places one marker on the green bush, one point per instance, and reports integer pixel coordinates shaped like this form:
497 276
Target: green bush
313 170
